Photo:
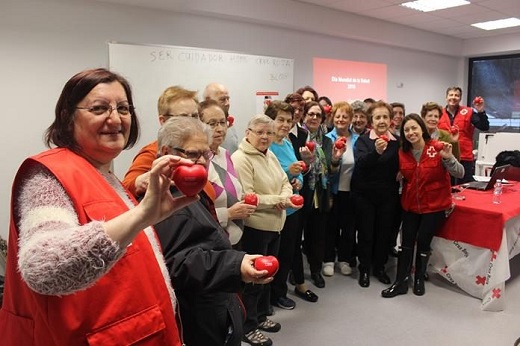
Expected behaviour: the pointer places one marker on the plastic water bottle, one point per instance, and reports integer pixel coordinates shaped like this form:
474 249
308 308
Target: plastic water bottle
497 192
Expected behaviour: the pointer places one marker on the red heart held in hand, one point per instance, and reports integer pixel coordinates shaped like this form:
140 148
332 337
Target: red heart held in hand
297 200
303 165
478 100
384 137
230 120
190 180
438 146
454 130
269 263
311 146
327 108
340 144
251 199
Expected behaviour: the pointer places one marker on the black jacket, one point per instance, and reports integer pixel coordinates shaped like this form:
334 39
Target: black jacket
205 273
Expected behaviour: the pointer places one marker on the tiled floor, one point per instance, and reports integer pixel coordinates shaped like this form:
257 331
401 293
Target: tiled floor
347 314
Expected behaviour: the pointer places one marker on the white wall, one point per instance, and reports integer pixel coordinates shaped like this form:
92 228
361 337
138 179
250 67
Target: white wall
44 42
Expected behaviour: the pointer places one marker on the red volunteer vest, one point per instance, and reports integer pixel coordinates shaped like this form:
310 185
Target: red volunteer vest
129 305
466 129
426 185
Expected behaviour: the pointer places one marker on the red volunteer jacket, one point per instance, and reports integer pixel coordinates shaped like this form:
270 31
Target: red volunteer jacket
426 184
463 120
129 305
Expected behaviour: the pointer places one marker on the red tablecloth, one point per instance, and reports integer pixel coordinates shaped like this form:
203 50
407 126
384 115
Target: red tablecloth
479 222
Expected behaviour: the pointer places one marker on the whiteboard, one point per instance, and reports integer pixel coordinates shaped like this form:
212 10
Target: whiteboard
150 69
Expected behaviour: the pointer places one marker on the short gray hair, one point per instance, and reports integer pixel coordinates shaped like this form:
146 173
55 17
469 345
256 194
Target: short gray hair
176 130
359 106
260 119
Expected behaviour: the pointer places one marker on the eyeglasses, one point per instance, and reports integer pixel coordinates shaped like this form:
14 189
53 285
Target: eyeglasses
193 115
123 109
261 133
213 124
195 155
314 115
223 98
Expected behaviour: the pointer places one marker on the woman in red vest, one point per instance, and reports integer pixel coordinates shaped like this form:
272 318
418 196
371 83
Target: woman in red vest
425 165
84 267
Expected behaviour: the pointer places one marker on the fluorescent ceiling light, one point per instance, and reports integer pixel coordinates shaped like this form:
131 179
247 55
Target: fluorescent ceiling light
433 5
498 24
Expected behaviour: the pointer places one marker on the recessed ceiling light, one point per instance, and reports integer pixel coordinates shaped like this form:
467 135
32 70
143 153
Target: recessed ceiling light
433 5
498 24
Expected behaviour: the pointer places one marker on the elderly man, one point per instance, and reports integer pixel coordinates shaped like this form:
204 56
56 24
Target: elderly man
219 93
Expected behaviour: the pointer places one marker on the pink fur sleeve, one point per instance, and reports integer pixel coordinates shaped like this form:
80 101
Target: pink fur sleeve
57 256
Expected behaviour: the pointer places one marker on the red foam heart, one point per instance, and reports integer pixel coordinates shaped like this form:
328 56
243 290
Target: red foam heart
311 146
339 144
251 199
384 137
297 200
454 130
303 165
230 120
190 180
438 146
478 100
269 263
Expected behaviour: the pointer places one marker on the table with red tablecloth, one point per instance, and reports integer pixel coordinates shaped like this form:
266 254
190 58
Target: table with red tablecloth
474 246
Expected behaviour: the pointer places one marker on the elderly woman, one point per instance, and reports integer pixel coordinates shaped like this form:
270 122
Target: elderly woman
431 112
316 189
231 212
83 263
204 269
341 235
282 114
260 172
360 120
375 189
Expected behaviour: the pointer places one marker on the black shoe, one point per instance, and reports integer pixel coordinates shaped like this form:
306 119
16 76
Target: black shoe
364 279
318 280
382 277
285 303
269 326
398 287
255 337
418 286
307 295
291 279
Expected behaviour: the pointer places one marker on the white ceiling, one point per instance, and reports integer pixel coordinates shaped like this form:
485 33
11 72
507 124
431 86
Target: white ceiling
453 22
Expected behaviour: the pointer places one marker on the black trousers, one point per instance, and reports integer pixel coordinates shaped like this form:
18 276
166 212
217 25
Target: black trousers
420 229
341 232
256 298
288 241
375 215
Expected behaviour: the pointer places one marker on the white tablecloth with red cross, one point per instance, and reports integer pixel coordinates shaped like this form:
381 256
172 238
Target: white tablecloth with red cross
481 272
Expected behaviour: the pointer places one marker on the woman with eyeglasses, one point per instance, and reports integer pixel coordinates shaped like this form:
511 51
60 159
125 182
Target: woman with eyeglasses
231 211
83 262
206 272
316 189
260 173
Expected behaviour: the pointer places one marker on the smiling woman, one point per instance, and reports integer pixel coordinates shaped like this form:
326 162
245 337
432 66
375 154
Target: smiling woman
69 242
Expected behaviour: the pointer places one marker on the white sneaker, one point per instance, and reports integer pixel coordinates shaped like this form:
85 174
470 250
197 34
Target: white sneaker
328 268
345 268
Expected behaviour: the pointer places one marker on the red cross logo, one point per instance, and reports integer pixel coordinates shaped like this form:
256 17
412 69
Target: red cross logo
496 293
480 280
464 111
431 152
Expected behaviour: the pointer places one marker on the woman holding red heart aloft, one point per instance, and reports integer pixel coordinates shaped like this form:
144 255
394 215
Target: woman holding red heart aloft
426 197
206 272
375 190
316 190
231 211
260 172
341 234
431 113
